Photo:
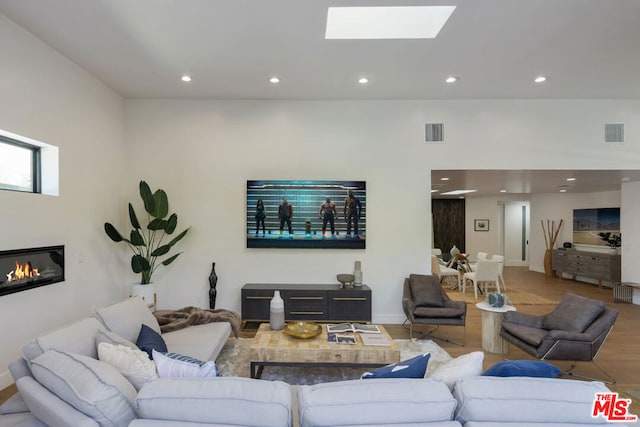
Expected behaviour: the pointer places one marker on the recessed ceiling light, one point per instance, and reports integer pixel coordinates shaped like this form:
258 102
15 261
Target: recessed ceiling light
444 179
387 22
571 179
363 80
540 79
185 78
458 192
274 80
434 191
451 79
503 191
564 190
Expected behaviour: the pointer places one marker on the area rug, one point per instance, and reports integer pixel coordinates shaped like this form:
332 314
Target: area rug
515 296
234 361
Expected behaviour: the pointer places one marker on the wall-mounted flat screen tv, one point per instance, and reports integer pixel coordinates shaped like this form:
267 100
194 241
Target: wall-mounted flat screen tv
595 226
306 214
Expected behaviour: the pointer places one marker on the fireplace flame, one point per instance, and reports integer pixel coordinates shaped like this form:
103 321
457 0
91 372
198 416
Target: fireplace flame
23 271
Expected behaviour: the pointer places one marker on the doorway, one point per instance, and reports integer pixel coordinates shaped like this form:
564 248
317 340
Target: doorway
513 233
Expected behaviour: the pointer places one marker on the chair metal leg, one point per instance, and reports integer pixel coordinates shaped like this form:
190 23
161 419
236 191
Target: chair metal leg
569 372
430 335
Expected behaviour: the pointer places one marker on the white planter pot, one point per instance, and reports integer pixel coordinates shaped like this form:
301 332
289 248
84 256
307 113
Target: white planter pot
147 292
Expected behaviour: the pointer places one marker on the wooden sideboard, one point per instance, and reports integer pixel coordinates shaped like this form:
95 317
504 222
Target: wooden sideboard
319 303
594 265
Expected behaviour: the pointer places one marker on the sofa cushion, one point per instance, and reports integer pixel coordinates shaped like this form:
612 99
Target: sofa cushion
174 365
217 401
113 338
202 342
411 368
92 387
134 364
523 368
532 336
149 340
79 337
467 365
438 312
496 400
125 318
382 402
574 313
427 291
48 408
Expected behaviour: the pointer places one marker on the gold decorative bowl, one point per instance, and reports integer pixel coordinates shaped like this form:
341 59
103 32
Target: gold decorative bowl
302 329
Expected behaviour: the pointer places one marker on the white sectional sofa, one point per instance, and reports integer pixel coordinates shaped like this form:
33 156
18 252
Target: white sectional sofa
62 382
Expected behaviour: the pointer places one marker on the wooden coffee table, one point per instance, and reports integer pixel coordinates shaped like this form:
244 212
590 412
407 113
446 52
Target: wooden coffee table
275 348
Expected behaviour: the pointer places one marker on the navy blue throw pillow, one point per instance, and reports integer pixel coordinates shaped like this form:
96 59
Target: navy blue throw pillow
149 340
411 368
523 368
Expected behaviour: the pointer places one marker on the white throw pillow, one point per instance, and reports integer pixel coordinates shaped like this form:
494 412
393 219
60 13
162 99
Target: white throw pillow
467 365
135 365
173 365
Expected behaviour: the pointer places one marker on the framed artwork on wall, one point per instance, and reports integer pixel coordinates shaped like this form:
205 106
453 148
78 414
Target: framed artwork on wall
480 225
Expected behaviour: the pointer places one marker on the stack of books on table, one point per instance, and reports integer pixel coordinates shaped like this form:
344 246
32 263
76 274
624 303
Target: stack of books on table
369 334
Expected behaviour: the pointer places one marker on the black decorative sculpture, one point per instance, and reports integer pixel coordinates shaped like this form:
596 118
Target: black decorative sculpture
213 281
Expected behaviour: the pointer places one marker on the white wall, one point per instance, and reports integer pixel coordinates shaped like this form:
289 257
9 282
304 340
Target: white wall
555 207
630 226
205 150
47 98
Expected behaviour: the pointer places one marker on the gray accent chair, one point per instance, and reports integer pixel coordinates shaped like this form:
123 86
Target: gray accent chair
425 303
575 330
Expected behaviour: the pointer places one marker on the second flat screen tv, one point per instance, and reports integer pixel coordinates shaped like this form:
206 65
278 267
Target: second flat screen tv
306 214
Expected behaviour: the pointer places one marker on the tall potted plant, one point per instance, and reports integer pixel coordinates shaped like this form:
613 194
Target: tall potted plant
148 243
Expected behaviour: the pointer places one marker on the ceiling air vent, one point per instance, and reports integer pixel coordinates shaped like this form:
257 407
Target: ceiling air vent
434 132
614 132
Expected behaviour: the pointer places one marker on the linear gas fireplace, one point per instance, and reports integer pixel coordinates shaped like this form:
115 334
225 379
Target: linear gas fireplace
23 269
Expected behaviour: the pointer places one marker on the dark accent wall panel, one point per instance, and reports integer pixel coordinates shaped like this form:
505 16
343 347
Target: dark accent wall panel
448 224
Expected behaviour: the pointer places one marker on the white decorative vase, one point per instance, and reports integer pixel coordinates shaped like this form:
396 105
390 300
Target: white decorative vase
147 292
357 274
276 312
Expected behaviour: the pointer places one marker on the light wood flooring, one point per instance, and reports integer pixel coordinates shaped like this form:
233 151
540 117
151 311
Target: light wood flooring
619 357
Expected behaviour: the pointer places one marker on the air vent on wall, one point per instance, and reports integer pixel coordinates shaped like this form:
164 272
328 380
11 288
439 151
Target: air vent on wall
434 132
614 132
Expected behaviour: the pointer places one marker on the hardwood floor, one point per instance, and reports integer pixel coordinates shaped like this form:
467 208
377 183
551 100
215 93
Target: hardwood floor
619 356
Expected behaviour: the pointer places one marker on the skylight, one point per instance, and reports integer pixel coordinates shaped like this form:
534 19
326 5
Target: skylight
389 22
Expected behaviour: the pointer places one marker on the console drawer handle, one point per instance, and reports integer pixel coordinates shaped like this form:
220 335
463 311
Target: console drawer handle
307 298
319 313
258 297
351 299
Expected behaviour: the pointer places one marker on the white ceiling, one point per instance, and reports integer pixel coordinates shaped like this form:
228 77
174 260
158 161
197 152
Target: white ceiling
526 182
140 48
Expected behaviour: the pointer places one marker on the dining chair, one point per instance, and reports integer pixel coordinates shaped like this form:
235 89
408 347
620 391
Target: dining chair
442 271
486 272
500 260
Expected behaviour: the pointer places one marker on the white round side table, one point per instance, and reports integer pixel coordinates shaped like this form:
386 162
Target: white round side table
491 324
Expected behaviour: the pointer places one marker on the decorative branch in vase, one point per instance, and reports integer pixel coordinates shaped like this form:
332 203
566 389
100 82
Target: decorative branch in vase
550 237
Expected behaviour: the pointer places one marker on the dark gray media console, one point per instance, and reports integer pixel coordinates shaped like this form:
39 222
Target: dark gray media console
318 303
594 265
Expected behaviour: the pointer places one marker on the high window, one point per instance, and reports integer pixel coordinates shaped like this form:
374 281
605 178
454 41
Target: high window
20 168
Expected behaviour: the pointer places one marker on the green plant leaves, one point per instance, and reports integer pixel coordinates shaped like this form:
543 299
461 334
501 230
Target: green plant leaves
162 204
171 259
147 198
162 250
172 223
133 218
139 264
147 246
136 238
157 224
178 237
112 233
